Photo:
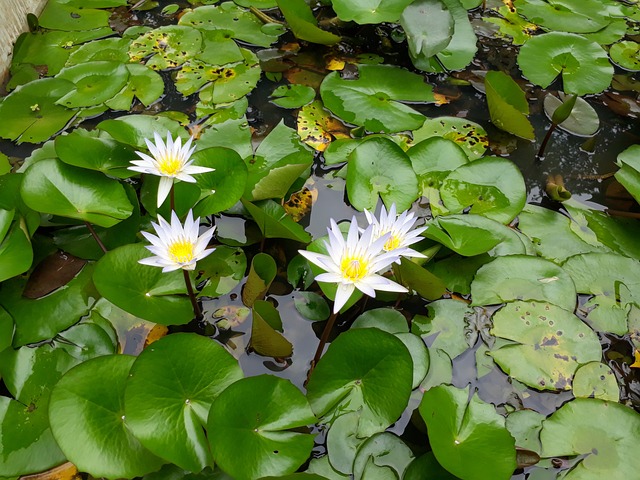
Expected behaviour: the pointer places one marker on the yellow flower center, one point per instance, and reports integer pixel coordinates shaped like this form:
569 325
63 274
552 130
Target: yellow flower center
353 268
181 251
169 166
392 243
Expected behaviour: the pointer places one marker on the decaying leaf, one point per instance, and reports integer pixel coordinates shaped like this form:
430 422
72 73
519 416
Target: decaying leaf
317 128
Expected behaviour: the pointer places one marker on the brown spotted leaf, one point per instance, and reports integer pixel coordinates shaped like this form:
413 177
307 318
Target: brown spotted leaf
317 128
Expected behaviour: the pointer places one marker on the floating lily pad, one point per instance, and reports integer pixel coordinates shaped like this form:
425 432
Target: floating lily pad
626 54
58 15
468 135
95 83
223 269
144 291
166 47
445 326
245 25
16 254
577 16
312 306
374 99
429 26
369 11
343 442
492 186
583 119
303 24
134 129
417 278
379 167
583 64
629 173
508 105
381 453
523 277
432 159
53 313
596 380
34 114
467 436
92 394
259 413
605 445
318 128
293 95
107 49
167 400
512 25
144 83
613 280
54 187
366 369
549 344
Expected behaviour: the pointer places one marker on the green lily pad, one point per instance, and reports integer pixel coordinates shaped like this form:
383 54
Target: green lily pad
312 306
577 16
219 48
468 135
445 326
42 318
467 436
380 453
16 253
280 159
259 414
508 105
524 426
364 369
223 269
293 95
426 467
92 394
141 290
379 167
626 54
95 83
223 187
343 443
491 186
596 380
262 272
166 47
386 319
418 278
549 344
583 64
34 114
227 16
303 24
605 444
374 99
629 173
523 277
613 280
370 11
144 84
6 329
583 119
167 400
86 149
58 15
274 222
107 49
512 25
134 129
52 186
428 25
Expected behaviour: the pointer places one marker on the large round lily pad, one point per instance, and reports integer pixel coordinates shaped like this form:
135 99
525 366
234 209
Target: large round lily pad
379 167
584 65
492 186
578 16
370 11
142 290
467 436
468 135
546 344
259 413
523 277
52 186
604 433
366 369
95 83
373 100
87 418
169 393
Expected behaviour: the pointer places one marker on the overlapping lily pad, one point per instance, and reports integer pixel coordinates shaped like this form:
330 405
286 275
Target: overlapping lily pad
370 11
549 344
166 47
373 100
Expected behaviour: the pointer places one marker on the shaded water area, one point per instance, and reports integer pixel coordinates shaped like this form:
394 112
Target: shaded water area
585 165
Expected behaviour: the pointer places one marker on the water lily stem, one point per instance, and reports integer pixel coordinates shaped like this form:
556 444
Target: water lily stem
172 198
194 303
543 146
323 341
264 18
95 236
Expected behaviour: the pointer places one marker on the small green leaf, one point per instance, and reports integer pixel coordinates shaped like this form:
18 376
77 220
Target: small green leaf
274 222
95 83
508 105
596 380
303 24
370 11
223 269
626 54
311 306
293 95
572 114
262 272
265 340
418 278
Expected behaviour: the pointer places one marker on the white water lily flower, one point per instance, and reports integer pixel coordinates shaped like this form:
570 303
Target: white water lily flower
354 263
169 161
176 246
399 228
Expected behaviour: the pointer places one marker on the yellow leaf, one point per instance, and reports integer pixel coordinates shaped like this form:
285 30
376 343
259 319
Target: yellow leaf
66 471
636 363
336 64
317 128
299 204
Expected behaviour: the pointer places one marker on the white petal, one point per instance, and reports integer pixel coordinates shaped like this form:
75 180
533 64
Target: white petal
164 187
185 177
378 282
194 169
343 293
323 261
329 277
